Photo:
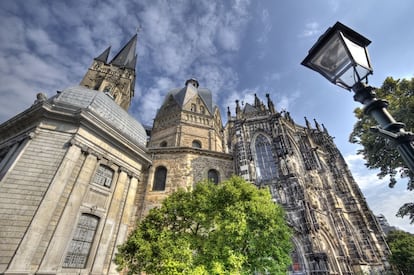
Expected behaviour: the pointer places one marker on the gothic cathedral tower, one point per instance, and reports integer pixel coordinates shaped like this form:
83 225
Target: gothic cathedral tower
334 230
116 78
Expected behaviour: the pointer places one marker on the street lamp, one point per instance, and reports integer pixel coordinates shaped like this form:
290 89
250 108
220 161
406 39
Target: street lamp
341 56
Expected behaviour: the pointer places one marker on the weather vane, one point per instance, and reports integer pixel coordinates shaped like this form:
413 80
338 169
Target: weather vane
139 28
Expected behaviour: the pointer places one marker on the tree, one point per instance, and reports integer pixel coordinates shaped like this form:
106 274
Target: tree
226 228
377 150
402 248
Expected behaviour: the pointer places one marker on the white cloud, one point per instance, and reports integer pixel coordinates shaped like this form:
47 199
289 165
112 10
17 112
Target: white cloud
285 101
311 29
266 28
381 199
146 111
359 171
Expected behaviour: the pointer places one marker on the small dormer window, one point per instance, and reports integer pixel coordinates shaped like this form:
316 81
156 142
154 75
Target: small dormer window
193 107
202 110
196 144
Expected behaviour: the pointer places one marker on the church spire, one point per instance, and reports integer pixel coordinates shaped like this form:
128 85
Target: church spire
117 78
103 57
126 56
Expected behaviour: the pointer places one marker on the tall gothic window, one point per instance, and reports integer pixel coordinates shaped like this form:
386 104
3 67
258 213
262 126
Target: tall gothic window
104 176
265 163
213 176
160 177
80 246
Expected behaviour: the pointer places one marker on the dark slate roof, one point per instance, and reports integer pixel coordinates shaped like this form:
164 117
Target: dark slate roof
205 95
104 56
126 56
249 108
105 108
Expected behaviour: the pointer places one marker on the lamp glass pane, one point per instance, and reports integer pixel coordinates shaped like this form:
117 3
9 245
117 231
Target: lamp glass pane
348 78
332 58
358 53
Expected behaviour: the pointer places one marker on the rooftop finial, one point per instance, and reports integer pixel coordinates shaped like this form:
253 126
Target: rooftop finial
307 123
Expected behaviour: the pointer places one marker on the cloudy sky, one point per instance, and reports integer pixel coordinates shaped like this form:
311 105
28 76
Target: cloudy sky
235 48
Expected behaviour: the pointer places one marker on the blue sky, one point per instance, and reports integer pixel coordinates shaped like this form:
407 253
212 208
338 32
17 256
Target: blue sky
235 48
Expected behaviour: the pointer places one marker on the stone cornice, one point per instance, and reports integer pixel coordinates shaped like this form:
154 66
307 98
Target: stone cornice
189 150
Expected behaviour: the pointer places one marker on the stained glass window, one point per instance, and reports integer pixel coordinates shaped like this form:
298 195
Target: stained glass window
265 163
80 246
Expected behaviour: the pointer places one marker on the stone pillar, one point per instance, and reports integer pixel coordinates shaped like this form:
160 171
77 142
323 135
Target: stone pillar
30 244
57 248
111 224
128 211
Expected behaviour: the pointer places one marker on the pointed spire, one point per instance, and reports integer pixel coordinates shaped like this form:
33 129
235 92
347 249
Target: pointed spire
228 113
324 129
238 111
103 57
270 105
318 127
307 123
256 101
126 56
288 117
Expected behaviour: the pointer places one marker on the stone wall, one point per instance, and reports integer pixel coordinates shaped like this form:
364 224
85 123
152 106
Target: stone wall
24 186
185 167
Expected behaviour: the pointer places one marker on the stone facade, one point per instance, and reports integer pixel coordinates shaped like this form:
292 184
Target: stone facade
77 173
334 230
51 183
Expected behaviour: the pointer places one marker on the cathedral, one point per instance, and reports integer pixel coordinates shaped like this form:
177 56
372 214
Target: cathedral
77 172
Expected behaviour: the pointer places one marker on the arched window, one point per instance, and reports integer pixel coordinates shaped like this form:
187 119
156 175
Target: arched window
265 163
163 144
193 107
196 144
104 176
160 177
80 246
202 110
213 176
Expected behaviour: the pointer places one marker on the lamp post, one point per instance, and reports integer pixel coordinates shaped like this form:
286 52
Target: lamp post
341 56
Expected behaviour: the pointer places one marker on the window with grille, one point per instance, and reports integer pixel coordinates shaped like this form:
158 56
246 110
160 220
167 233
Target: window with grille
160 177
80 246
104 176
265 163
213 176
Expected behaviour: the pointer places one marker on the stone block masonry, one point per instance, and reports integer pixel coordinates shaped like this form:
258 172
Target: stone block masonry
23 187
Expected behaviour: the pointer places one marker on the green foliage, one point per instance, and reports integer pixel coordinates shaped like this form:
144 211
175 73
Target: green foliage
229 228
402 248
379 152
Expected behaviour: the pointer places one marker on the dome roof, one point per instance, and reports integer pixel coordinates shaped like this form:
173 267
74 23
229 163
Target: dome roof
105 108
